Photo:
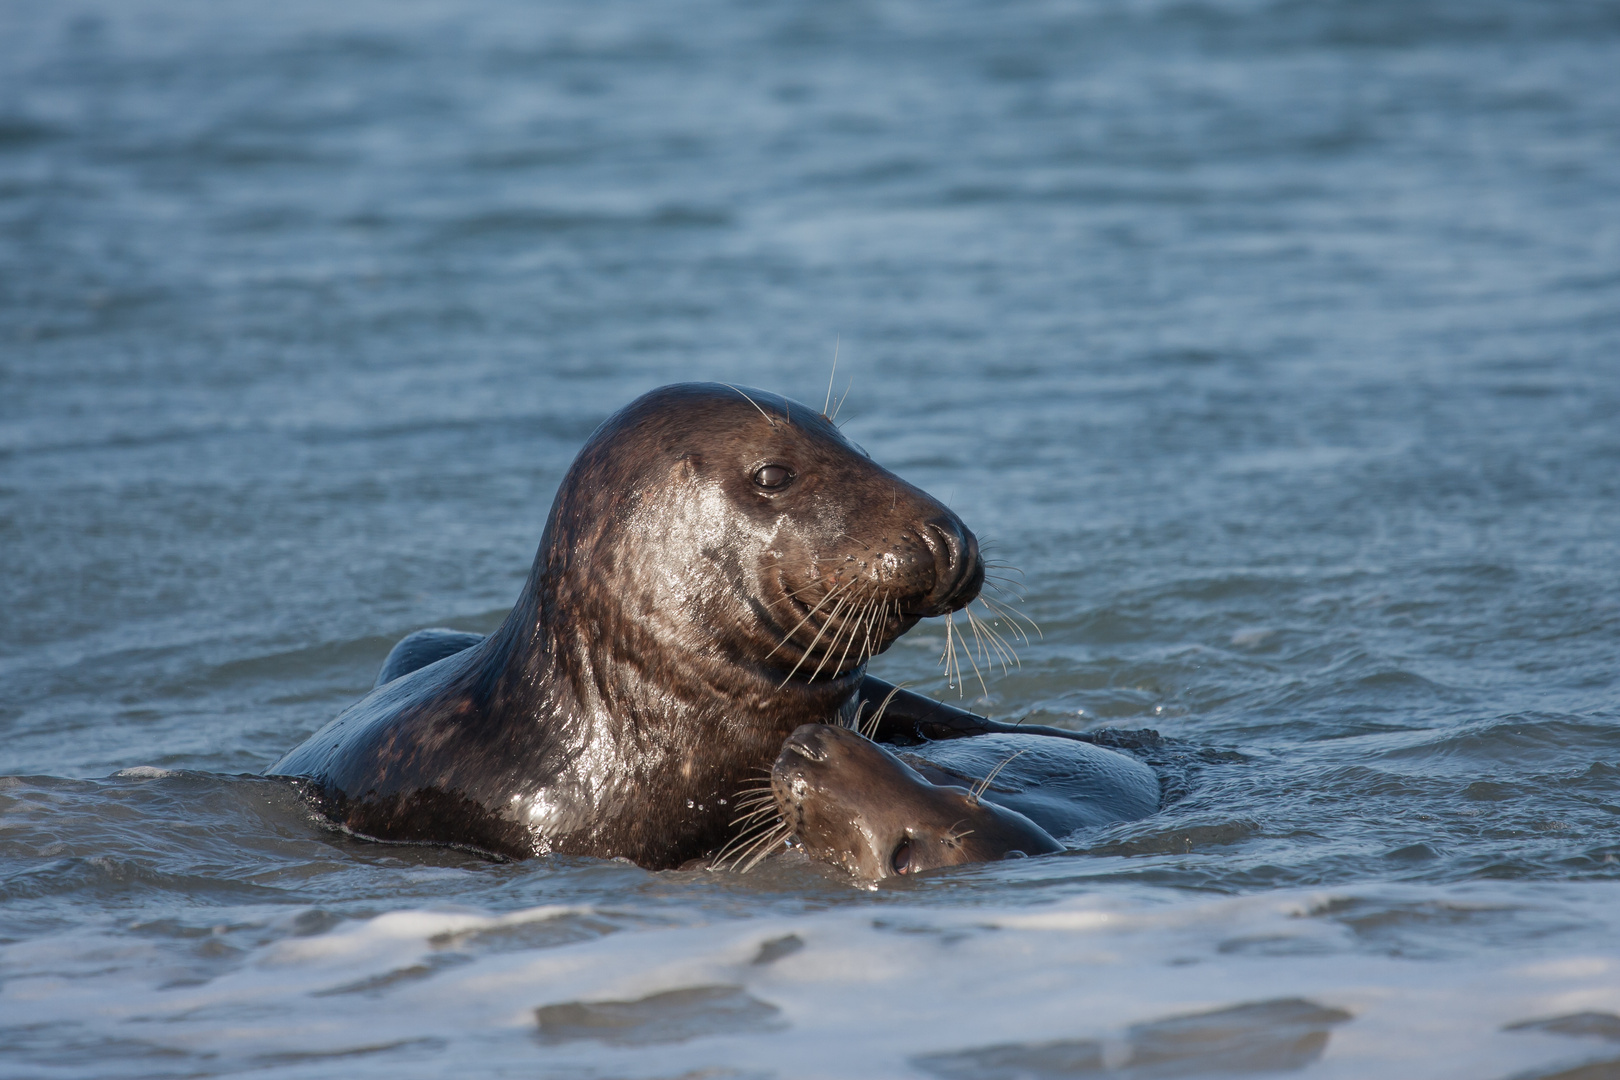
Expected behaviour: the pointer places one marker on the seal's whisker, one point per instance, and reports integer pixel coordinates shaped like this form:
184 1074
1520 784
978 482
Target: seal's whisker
785 597
987 635
849 624
826 653
953 663
825 622
950 651
854 626
1005 586
833 374
860 630
977 647
834 417
832 592
977 674
877 717
755 404
1013 618
1003 647
832 646
984 785
879 608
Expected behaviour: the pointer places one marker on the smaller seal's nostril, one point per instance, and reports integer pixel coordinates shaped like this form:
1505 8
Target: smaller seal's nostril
808 745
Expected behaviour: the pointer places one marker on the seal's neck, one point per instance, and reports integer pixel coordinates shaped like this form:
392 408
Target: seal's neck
627 676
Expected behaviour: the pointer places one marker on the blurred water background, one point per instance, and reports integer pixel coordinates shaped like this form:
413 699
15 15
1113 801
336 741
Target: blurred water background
1275 341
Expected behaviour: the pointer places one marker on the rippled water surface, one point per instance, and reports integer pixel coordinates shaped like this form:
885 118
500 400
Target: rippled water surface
1276 343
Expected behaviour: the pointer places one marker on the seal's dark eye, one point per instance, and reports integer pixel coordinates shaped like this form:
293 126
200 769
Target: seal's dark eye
774 477
901 859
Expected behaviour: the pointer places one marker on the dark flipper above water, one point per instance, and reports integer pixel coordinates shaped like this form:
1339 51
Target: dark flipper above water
1060 784
422 648
910 719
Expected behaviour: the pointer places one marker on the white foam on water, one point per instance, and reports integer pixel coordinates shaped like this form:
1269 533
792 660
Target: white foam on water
870 988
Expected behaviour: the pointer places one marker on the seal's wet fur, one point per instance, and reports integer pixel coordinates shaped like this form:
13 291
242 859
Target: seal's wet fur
687 610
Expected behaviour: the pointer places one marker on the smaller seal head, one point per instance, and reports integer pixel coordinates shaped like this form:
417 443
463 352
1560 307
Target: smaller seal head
851 803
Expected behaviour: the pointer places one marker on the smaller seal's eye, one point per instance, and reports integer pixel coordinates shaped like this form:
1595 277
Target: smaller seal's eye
901 859
774 477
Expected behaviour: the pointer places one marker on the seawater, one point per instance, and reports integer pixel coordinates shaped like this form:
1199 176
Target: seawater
1273 343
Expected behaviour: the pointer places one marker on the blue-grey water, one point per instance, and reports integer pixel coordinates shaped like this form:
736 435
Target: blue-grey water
1276 342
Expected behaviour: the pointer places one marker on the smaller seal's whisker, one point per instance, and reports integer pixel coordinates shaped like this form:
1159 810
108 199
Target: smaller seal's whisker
744 843
772 840
755 404
952 837
755 811
757 841
984 785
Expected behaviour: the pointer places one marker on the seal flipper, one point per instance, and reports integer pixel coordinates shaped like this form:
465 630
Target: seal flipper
422 648
911 719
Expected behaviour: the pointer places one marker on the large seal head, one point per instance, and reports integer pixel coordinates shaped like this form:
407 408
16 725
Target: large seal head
853 804
718 565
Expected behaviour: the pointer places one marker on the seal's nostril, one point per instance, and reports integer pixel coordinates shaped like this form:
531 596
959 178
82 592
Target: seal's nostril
958 568
949 543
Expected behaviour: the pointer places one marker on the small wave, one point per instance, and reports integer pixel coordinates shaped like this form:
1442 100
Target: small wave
144 772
